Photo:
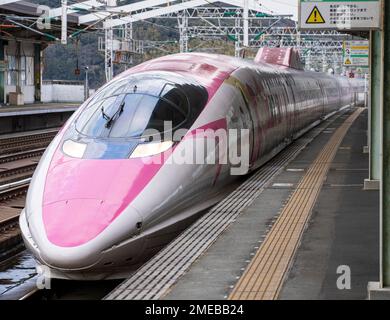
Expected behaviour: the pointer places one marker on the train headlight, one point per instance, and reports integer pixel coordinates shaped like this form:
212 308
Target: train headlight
150 149
74 149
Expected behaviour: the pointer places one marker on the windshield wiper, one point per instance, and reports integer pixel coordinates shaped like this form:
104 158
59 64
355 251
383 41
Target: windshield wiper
105 116
115 116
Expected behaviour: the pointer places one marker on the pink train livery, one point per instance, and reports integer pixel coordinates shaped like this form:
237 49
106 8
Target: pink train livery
103 198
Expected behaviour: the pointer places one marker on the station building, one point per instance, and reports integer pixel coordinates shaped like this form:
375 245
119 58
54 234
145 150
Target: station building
21 51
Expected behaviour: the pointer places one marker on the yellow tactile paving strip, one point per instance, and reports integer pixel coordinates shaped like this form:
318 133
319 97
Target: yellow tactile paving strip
263 278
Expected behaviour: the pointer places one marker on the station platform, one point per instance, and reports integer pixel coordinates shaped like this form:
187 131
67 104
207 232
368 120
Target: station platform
37 108
284 234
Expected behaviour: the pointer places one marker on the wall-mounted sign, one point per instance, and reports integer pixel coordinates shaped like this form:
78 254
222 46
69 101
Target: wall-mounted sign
315 17
340 14
356 53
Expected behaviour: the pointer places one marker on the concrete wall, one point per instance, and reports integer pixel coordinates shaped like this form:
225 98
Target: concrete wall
63 91
28 92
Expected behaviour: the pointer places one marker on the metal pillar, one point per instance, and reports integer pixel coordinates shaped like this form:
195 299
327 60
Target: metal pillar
237 43
324 62
109 54
381 290
64 22
18 67
128 31
128 37
298 44
385 190
308 65
182 20
2 72
376 87
246 23
37 72
86 84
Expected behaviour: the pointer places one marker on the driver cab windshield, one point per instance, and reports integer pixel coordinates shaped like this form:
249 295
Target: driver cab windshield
129 106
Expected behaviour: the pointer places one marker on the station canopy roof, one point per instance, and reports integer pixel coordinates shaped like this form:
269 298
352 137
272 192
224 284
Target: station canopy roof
19 20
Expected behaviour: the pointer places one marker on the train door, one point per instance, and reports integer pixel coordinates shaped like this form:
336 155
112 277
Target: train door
322 100
248 123
240 119
289 84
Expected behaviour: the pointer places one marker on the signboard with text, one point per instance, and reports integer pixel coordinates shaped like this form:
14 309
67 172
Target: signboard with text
340 14
356 53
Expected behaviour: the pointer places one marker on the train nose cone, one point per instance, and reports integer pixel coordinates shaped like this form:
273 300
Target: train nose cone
71 223
73 227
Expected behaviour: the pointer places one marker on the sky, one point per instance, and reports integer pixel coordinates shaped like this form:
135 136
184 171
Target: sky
281 6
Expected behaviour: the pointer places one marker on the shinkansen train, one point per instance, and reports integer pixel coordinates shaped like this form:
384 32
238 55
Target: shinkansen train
106 194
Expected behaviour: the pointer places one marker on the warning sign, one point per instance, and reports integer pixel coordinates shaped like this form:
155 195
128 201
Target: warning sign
347 62
315 17
340 14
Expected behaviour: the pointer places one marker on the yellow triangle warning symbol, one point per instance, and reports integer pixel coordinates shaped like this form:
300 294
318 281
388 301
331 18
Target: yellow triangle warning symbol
348 62
315 17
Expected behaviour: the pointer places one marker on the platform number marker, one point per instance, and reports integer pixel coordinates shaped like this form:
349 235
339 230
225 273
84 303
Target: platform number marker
315 17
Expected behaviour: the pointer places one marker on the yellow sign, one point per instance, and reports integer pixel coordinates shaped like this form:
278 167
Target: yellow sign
315 17
348 62
360 48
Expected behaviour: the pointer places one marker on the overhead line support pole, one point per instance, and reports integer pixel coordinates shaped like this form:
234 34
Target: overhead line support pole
381 290
64 22
375 102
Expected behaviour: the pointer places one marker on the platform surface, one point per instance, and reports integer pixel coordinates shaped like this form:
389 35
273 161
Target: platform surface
37 108
343 230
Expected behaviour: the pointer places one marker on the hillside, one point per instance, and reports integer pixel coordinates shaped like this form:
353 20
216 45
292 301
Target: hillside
61 61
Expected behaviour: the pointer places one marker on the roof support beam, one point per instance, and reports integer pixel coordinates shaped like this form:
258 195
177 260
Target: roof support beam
157 12
124 9
74 8
251 5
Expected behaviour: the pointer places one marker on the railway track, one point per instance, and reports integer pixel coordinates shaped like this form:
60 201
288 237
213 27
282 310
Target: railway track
12 144
12 198
19 156
24 169
26 284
